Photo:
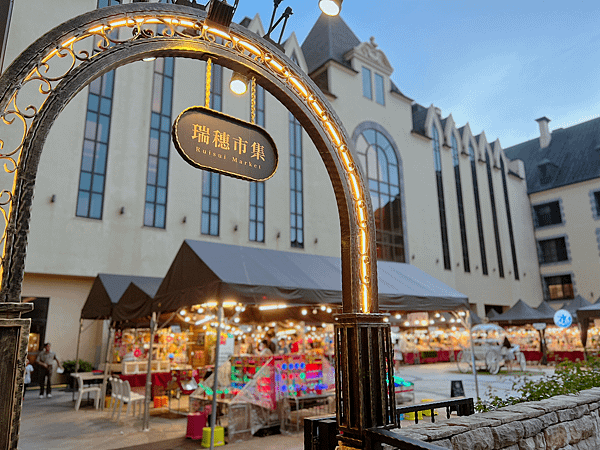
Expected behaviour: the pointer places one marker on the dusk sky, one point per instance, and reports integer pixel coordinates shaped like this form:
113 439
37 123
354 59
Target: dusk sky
496 65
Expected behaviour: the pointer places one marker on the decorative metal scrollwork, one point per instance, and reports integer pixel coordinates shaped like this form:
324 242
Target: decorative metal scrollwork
113 27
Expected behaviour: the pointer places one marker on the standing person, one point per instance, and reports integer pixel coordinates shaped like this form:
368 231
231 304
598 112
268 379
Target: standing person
46 359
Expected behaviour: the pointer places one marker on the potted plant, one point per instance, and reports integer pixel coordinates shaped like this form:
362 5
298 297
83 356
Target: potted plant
69 367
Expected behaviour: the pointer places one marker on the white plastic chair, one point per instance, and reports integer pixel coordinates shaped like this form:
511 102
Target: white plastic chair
96 390
131 398
115 384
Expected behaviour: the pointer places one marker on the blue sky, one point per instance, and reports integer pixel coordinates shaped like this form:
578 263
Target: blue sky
497 65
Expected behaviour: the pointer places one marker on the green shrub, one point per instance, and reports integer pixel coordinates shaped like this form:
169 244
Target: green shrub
84 366
568 378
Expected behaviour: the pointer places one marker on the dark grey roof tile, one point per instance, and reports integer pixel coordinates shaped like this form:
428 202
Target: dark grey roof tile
572 156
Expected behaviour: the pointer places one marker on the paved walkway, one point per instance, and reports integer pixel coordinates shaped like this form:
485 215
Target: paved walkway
54 424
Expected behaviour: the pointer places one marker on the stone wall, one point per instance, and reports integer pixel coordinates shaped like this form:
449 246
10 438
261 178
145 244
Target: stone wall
566 422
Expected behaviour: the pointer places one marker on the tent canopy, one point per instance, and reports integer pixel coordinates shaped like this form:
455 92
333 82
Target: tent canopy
521 313
546 311
573 305
136 301
204 271
108 290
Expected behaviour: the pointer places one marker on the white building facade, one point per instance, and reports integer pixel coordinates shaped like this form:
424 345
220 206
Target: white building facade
113 196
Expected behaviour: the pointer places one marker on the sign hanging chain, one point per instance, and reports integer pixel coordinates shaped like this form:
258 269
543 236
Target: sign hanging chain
208 81
253 101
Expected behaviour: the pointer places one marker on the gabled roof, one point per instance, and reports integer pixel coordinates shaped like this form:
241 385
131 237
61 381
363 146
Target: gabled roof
546 310
573 151
329 39
419 114
108 289
520 313
573 305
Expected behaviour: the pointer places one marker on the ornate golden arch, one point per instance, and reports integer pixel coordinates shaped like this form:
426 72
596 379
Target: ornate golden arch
47 75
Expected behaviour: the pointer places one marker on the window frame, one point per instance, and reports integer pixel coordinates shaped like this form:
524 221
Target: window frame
536 223
157 114
437 165
366 85
546 286
541 253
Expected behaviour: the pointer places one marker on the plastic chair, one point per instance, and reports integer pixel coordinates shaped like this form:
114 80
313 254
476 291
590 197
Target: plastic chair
131 398
115 384
96 390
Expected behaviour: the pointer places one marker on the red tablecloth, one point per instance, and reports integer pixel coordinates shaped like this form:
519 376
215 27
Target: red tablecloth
139 379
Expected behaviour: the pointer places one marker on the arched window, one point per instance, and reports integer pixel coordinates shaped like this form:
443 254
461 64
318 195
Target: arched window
380 165
437 162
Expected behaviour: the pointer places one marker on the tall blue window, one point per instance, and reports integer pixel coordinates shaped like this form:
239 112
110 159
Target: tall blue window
257 188
257 212
379 89
461 208
494 215
366 83
155 209
484 266
437 160
211 199
92 175
296 184
381 167
211 182
511 235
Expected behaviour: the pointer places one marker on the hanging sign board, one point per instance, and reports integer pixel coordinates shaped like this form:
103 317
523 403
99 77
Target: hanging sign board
563 318
214 141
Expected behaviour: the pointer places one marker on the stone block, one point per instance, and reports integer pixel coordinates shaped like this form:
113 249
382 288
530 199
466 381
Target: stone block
527 444
479 439
444 443
549 419
532 427
566 415
512 447
507 434
435 432
504 416
557 436
581 411
472 422
524 408
580 429
540 441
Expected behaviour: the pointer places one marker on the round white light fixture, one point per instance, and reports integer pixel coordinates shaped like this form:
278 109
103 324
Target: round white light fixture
330 7
238 83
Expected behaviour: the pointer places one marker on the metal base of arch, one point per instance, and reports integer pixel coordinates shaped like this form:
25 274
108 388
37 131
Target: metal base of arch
63 61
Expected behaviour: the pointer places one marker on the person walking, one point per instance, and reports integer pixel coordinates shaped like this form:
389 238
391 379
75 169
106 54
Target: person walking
45 360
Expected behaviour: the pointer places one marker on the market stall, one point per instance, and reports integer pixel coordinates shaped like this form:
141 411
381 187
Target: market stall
207 272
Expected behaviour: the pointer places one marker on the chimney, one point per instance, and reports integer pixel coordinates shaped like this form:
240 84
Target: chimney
544 131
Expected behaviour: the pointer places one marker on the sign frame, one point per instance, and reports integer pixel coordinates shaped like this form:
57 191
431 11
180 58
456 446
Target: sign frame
232 121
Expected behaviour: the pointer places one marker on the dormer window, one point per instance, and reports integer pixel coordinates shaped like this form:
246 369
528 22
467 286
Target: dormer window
367 83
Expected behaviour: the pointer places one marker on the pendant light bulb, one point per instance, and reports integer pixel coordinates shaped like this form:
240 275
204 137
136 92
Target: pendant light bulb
238 83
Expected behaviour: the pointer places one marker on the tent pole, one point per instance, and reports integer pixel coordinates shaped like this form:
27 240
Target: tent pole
213 413
77 354
148 392
109 348
469 326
